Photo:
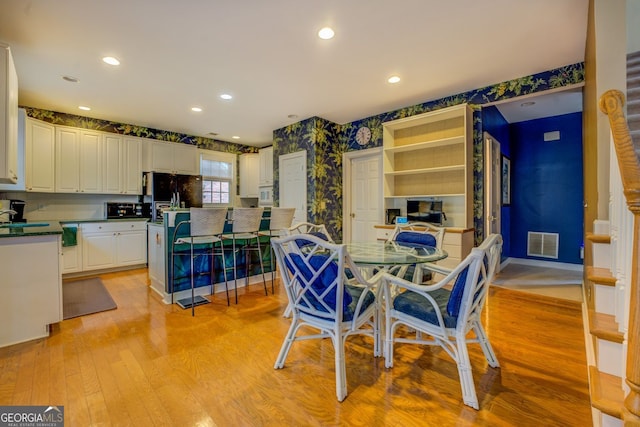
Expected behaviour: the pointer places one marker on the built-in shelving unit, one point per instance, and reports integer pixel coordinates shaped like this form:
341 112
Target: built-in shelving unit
429 157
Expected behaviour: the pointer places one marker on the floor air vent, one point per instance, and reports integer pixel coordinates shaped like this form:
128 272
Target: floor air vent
542 244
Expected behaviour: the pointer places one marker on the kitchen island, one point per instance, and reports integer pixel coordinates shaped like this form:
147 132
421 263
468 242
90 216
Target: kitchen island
31 284
160 258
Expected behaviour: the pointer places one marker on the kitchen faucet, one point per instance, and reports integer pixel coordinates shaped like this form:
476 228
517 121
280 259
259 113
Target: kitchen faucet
11 212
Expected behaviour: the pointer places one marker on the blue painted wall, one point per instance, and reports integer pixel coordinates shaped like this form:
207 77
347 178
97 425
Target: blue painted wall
547 185
497 126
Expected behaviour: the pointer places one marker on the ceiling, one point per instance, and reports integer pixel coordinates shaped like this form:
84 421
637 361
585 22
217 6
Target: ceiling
175 55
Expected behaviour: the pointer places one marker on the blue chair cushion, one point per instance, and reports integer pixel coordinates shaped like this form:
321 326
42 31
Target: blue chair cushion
455 301
304 242
414 237
417 306
320 284
355 292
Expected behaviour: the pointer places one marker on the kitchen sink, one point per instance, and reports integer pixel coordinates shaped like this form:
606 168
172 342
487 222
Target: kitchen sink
25 224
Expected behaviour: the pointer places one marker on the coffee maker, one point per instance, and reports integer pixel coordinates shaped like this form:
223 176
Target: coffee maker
18 206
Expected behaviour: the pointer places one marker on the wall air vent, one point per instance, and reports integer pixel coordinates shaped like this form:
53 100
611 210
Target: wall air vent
543 245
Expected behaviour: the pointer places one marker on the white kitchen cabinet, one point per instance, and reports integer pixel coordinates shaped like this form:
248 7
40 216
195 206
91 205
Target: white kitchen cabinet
72 255
113 244
266 167
39 156
156 257
249 174
30 291
8 117
171 157
122 165
78 165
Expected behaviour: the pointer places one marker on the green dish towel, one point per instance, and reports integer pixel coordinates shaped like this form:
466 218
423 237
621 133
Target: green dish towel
69 236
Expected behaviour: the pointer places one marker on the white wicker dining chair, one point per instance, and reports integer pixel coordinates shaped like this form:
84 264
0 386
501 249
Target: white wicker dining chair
445 317
320 298
423 233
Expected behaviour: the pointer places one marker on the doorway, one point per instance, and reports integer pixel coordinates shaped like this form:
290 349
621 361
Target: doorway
362 201
293 184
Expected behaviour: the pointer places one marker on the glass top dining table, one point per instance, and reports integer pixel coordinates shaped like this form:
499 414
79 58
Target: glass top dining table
385 253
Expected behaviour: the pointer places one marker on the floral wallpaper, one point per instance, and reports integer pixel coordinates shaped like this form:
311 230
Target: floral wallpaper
325 142
65 119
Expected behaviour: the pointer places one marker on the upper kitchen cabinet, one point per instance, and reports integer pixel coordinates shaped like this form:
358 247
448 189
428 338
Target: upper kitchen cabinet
429 157
78 160
266 166
39 156
122 164
8 117
249 167
171 157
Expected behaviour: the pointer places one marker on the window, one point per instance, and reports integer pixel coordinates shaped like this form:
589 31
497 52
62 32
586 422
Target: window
216 169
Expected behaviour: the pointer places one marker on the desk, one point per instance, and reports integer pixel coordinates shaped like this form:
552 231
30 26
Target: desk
388 254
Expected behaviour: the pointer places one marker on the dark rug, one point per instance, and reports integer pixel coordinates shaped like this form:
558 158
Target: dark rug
81 297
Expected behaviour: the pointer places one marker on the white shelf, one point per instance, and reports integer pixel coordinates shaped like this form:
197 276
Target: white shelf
426 170
426 144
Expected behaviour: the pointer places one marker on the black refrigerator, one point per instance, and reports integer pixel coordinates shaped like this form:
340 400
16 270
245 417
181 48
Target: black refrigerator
185 191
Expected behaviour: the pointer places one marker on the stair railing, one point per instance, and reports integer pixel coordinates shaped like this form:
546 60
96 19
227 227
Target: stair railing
611 103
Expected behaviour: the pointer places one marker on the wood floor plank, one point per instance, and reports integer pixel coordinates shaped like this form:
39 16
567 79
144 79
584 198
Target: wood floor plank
149 363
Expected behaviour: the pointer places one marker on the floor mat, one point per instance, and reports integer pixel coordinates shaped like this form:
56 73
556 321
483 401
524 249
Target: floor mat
82 297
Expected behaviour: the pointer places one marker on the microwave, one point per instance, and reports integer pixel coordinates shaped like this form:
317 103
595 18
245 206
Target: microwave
265 196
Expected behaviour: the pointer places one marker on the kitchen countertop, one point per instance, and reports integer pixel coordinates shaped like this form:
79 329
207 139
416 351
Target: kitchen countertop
33 228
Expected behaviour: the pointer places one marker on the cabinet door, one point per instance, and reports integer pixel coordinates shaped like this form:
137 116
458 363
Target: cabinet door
161 157
131 248
185 159
98 250
111 163
39 156
156 257
266 166
67 160
90 161
71 259
249 166
131 175
8 118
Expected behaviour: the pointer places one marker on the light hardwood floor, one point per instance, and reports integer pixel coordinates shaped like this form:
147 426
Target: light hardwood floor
148 363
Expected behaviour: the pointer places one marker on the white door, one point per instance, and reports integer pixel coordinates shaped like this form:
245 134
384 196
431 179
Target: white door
363 195
293 184
492 185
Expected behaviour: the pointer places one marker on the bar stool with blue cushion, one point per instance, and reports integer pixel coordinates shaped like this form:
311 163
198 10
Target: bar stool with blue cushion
422 233
244 236
279 223
205 230
445 315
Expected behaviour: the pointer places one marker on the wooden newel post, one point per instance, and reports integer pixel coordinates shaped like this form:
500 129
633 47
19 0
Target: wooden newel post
611 103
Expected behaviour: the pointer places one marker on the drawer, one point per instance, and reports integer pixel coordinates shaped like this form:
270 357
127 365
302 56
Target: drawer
453 250
449 262
102 227
383 233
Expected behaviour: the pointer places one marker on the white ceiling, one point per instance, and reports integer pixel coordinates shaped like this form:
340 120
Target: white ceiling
179 54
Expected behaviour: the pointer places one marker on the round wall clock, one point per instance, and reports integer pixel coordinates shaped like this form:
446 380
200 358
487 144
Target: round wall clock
363 136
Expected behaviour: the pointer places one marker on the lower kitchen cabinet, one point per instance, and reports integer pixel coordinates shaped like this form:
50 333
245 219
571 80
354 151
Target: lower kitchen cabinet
72 255
156 257
113 244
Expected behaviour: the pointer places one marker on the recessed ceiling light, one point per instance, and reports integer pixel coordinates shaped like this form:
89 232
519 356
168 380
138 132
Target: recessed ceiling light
226 96
82 107
527 104
235 137
326 33
393 79
212 134
70 79
292 116
111 60
196 109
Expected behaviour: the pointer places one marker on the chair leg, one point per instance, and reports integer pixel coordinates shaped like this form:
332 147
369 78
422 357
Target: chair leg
235 276
264 280
388 343
483 340
286 345
224 268
341 370
193 298
469 396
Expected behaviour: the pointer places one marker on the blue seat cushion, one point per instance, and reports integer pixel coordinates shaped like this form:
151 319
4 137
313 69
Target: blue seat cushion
320 284
416 305
356 292
414 237
304 242
455 301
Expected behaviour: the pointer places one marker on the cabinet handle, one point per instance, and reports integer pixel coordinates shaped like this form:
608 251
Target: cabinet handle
157 238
